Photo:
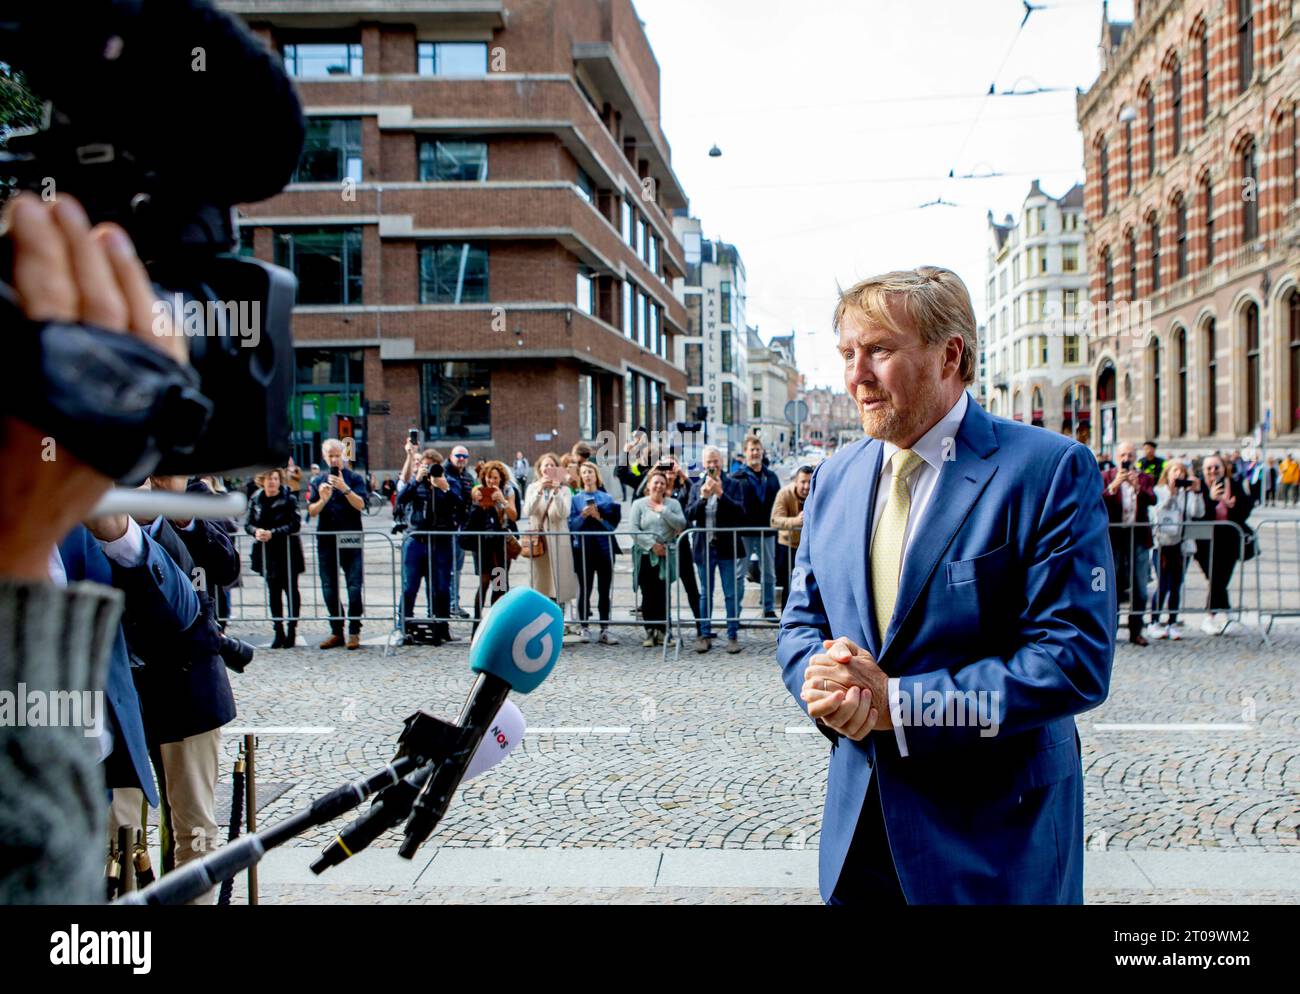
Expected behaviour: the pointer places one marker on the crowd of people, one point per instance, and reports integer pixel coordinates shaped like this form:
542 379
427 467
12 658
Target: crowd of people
1172 511
557 515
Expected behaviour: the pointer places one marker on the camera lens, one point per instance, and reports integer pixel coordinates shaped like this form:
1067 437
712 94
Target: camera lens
236 653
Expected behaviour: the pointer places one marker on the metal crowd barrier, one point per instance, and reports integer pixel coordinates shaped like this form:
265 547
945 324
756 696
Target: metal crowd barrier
1277 570
250 600
1209 555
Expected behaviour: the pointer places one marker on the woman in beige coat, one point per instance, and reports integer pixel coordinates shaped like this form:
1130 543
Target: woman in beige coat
546 505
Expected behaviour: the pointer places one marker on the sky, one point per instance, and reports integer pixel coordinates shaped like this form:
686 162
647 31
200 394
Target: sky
838 119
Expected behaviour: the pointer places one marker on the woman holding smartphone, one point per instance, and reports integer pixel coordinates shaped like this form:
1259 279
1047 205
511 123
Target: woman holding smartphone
1228 503
593 517
546 505
492 511
1178 501
657 521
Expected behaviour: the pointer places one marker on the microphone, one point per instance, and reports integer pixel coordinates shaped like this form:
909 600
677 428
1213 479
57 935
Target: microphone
528 630
515 649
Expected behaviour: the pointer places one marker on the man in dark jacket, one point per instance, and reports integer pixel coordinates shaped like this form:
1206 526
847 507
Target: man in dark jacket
716 502
1129 495
184 691
430 505
340 498
759 486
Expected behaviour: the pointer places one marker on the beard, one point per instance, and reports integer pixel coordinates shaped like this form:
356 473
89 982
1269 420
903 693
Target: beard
890 423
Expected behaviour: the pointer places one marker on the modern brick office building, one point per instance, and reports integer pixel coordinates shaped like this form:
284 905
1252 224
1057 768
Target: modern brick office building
1193 207
480 224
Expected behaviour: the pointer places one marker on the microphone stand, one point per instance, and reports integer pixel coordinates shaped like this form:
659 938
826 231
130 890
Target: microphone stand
426 741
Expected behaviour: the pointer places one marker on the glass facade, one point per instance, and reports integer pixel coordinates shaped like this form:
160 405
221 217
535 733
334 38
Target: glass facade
327 382
327 262
453 273
456 400
453 161
331 151
305 61
452 58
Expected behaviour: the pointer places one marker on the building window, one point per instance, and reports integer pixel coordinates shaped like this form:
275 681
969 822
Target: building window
456 399
694 364
627 222
1150 122
1180 231
1132 266
1208 193
1180 345
1155 387
652 258
728 411
313 61
1293 320
1176 88
640 335
586 188
453 161
1103 157
627 309
1204 58
327 262
1071 345
724 294
758 409
586 292
453 273
331 151
1070 257
1070 303
1155 253
586 406
1041 351
1250 192
1250 318
1211 379
451 58
639 238
657 331
1108 276
1245 44
725 348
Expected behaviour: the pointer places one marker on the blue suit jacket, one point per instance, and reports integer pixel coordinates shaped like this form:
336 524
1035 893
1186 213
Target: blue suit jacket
158 591
1007 587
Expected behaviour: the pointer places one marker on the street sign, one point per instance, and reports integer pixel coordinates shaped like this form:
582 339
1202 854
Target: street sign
796 411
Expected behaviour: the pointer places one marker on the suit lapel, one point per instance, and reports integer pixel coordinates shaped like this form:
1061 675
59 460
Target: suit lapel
857 531
960 483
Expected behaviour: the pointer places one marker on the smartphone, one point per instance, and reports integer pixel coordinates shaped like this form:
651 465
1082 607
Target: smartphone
1182 483
713 473
414 436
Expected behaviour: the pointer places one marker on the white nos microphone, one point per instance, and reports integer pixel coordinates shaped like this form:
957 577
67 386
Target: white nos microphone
503 737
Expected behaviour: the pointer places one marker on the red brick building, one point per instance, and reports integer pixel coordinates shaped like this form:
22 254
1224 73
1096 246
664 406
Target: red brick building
480 223
1193 209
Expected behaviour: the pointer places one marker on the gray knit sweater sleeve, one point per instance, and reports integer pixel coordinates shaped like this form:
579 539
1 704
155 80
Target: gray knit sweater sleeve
54 648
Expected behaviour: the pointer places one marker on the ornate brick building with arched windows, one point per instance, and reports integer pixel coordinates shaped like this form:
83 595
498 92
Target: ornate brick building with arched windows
1193 214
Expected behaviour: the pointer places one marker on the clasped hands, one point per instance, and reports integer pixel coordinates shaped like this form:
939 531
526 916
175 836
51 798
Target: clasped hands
846 690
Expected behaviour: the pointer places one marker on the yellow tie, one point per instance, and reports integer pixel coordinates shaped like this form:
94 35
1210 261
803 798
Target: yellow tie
887 544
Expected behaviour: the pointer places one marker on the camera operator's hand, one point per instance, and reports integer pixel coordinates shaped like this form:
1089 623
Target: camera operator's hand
325 492
64 270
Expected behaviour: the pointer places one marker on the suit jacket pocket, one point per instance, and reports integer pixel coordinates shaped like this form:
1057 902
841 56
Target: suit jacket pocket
989 566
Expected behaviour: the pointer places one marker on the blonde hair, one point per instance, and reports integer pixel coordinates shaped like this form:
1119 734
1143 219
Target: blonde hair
933 303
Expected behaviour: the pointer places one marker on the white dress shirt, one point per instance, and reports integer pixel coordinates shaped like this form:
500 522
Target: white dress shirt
935 447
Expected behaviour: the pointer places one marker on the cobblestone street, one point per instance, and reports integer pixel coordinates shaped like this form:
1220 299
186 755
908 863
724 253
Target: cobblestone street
1195 753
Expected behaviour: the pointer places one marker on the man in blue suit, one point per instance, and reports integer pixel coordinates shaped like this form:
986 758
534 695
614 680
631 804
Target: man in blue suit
160 595
952 608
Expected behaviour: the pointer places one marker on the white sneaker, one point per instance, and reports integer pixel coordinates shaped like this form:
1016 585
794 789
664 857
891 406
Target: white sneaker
1156 631
584 634
1221 622
1208 626
1175 634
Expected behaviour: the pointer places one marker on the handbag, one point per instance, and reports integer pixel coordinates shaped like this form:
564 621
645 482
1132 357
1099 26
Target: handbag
513 547
533 545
